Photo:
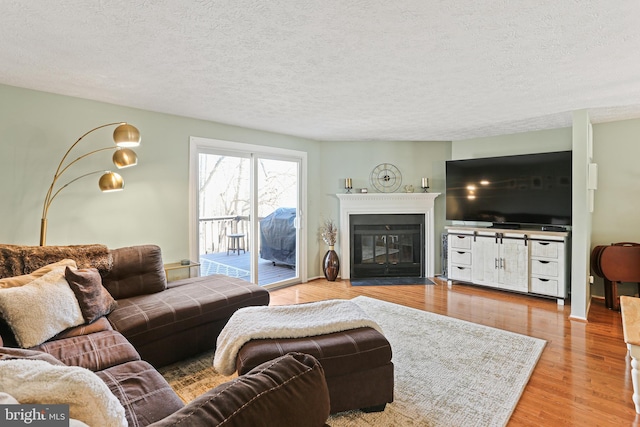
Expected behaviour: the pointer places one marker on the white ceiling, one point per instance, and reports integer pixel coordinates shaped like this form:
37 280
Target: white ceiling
336 69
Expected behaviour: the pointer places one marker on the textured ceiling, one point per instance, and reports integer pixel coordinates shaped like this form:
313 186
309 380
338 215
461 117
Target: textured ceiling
337 69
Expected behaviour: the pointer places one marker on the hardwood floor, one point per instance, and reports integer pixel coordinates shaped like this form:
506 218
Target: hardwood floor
583 376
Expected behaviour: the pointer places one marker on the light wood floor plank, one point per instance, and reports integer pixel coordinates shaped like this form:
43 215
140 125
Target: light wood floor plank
583 376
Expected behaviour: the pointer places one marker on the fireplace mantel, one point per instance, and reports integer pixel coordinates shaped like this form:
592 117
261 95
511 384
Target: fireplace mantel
387 203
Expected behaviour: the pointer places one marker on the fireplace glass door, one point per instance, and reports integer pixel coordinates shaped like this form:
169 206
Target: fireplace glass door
387 246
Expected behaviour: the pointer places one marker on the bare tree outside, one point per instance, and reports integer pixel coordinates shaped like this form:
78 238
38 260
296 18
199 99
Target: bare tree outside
224 194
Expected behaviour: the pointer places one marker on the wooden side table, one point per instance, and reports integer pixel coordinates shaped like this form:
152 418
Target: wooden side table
630 308
176 267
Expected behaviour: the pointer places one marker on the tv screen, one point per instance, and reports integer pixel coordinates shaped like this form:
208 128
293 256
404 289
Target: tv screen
524 189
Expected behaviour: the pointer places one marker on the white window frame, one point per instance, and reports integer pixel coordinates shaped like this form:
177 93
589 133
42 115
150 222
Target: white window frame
200 144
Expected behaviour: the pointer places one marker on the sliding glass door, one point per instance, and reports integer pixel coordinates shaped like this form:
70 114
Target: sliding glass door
247 210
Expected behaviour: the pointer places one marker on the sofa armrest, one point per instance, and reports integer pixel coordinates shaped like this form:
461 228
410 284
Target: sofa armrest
288 391
136 270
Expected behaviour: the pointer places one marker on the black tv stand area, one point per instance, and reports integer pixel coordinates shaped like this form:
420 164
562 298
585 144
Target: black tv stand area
506 226
553 228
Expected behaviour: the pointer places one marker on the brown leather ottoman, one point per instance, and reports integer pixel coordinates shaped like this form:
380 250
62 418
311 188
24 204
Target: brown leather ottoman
357 365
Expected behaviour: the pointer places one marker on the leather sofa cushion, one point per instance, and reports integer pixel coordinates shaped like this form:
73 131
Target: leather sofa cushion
183 305
294 381
136 270
144 393
101 324
95 351
10 353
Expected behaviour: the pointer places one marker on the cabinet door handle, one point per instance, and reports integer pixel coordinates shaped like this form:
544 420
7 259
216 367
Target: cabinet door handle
495 263
544 262
543 280
460 252
501 263
543 243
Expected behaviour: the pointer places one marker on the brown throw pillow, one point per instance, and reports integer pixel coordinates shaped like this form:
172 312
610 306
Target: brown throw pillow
95 301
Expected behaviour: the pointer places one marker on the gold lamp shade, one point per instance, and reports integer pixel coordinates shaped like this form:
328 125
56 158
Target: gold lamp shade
124 158
111 181
126 135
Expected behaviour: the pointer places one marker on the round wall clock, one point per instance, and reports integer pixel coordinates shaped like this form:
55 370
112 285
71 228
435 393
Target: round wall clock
386 178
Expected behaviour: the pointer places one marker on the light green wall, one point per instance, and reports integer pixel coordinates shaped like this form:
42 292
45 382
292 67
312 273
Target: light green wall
616 150
356 160
519 143
36 129
581 216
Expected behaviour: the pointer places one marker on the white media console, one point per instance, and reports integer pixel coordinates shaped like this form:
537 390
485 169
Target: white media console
528 261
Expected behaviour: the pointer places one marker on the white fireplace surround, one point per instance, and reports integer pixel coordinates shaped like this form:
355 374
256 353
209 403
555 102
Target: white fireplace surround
387 203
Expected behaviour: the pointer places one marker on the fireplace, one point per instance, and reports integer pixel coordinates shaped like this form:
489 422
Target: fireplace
402 205
386 245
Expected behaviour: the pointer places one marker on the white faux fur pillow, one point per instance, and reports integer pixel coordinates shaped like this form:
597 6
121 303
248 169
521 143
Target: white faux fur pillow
88 397
40 309
7 399
12 282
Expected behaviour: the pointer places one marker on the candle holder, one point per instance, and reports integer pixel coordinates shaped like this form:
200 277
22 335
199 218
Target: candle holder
425 185
348 185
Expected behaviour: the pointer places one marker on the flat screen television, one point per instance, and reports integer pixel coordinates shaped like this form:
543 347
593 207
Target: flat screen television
509 191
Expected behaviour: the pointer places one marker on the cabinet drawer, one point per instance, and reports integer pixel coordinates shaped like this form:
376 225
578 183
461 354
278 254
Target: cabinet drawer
459 242
544 286
544 268
461 258
460 273
545 249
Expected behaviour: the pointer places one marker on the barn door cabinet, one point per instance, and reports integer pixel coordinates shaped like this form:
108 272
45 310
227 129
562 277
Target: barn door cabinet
527 261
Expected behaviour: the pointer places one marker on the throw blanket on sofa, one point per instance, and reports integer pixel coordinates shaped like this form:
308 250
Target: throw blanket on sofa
16 260
285 321
89 398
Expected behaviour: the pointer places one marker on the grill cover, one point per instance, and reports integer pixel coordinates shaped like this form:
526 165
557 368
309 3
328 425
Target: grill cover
278 236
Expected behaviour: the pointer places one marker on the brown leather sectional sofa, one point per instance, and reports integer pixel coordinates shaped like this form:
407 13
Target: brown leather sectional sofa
157 323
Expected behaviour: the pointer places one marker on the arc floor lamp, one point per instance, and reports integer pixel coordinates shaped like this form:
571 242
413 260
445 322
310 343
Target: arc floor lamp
124 137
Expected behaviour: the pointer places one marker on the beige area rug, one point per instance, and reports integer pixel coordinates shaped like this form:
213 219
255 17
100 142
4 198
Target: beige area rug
448 372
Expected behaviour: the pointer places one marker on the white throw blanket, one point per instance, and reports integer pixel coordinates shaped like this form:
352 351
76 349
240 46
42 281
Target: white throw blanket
285 321
88 397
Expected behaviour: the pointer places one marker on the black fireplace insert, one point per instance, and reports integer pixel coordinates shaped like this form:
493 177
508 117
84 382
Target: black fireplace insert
387 245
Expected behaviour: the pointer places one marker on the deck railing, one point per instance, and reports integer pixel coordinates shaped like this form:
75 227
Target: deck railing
214 230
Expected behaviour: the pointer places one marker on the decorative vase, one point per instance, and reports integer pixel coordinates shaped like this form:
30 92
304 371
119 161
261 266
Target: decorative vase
331 265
